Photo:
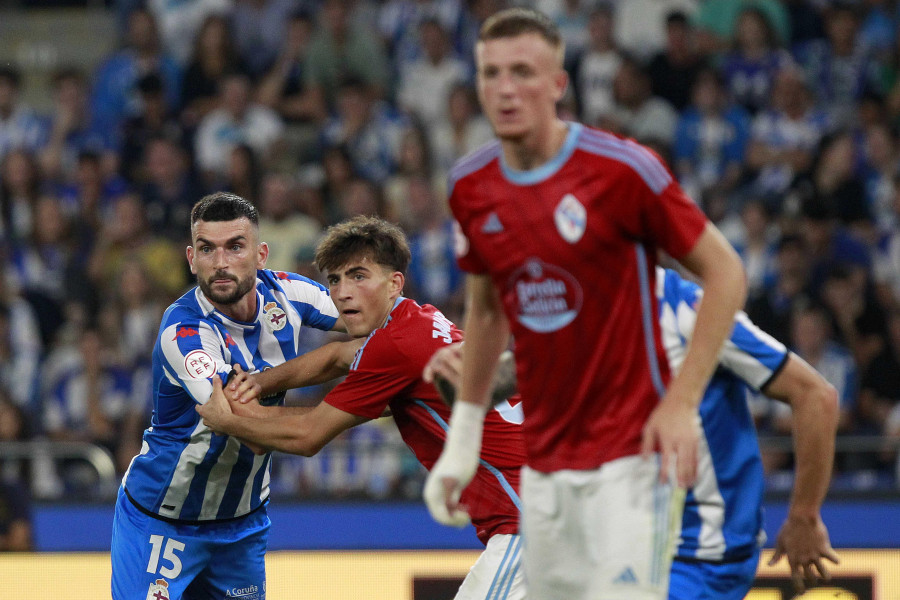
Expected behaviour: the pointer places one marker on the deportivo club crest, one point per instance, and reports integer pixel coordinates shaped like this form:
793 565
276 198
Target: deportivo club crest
158 590
570 218
274 317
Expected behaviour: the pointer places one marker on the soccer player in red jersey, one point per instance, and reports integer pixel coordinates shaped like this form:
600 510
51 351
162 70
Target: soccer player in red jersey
560 226
364 260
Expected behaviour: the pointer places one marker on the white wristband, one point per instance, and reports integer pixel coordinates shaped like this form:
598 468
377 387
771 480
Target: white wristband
464 436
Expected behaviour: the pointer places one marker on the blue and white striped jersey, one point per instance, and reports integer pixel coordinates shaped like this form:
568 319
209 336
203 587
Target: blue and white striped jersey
723 515
185 472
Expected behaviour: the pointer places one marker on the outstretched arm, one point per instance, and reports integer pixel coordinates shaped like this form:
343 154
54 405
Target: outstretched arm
803 537
316 366
303 434
486 338
673 427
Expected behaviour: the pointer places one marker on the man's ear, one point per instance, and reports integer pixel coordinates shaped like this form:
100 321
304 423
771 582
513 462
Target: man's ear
189 251
262 255
397 282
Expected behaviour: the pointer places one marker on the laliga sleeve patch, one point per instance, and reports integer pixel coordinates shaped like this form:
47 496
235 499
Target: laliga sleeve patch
199 364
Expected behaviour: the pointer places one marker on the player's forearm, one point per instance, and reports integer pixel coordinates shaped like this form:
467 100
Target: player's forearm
487 335
286 432
815 422
725 291
315 367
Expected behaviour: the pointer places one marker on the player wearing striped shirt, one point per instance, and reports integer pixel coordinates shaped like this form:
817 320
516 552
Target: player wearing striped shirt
364 260
190 519
721 531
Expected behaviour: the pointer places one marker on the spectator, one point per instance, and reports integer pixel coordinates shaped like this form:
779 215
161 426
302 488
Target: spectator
21 349
571 19
72 131
784 137
88 401
886 269
772 307
284 87
212 58
244 173
756 246
169 189
426 82
14 427
260 29
368 129
756 58
124 238
20 127
115 96
840 68
47 269
716 21
597 66
339 50
180 21
289 232
880 159
399 23
674 69
636 111
156 119
414 162
360 197
710 139
640 25
20 187
858 321
463 132
237 121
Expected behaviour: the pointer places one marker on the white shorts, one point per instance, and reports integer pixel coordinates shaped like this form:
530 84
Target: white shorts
497 574
605 534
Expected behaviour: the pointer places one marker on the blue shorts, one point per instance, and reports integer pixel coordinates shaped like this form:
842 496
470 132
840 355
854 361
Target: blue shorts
712 581
160 560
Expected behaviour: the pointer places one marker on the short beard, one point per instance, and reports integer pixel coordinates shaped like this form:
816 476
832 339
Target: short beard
227 299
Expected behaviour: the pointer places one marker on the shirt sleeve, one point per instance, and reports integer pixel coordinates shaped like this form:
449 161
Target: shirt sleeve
311 299
749 353
190 354
378 374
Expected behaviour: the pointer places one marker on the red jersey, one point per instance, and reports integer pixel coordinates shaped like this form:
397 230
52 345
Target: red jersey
387 373
571 247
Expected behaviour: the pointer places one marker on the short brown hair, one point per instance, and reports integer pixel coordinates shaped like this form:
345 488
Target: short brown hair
360 236
513 22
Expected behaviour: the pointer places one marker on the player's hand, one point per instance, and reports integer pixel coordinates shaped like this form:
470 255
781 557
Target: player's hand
444 485
216 410
242 387
674 430
805 543
456 466
444 370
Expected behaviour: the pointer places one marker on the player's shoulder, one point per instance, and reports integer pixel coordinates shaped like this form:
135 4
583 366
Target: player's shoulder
281 280
633 158
473 162
187 309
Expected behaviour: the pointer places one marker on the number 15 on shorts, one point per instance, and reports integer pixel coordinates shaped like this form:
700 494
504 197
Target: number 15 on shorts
172 546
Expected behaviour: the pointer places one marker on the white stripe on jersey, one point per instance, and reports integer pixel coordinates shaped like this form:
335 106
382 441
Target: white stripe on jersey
191 456
258 461
217 482
712 509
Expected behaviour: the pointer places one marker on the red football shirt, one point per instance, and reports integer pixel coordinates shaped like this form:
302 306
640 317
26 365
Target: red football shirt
387 372
571 246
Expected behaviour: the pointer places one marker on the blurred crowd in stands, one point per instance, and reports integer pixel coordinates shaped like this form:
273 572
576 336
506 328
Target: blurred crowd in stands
779 117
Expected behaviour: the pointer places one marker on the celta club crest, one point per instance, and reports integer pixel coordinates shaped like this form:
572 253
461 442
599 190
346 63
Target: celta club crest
275 318
158 590
570 217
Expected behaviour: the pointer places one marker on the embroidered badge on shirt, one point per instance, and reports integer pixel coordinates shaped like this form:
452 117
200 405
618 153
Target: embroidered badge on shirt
571 218
274 317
